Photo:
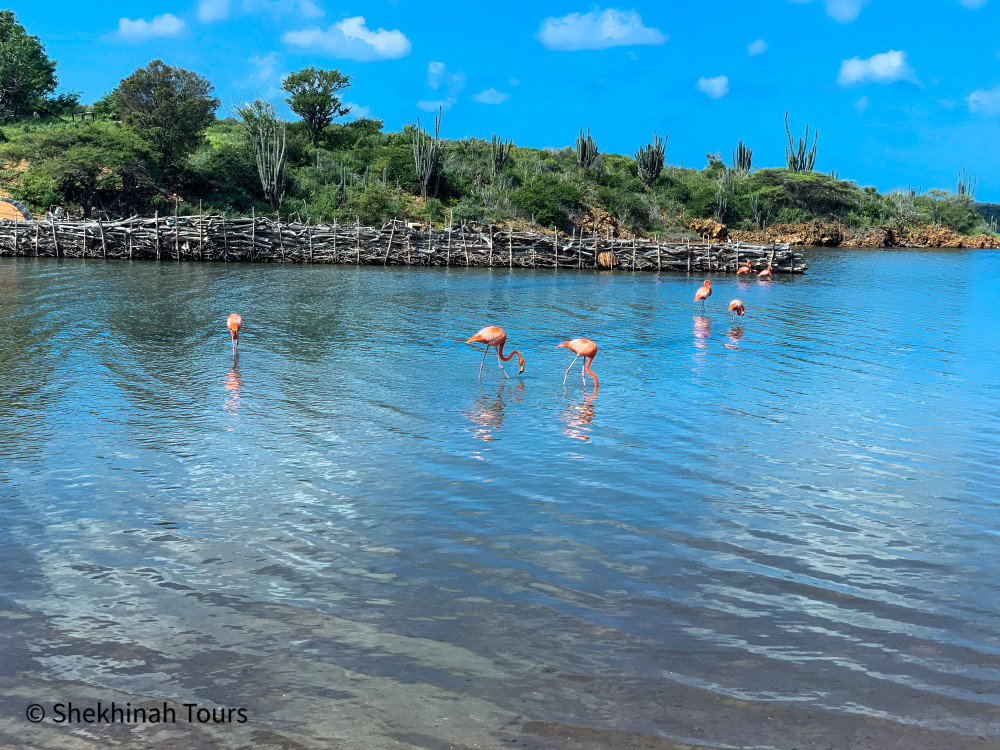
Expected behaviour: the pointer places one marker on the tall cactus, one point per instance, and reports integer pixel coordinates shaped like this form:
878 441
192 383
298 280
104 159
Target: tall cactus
649 160
586 150
742 158
500 152
966 184
427 154
800 160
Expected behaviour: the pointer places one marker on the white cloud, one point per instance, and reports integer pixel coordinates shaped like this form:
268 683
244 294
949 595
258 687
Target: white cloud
598 29
491 96
357 111
843 11
714 87
985 101
434 72
884 67
353 40
434 105
438 74
140 29
213 10
973 4
757 48
284 8
861 104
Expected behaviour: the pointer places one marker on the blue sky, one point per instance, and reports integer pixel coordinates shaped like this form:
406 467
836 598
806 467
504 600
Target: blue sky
901 92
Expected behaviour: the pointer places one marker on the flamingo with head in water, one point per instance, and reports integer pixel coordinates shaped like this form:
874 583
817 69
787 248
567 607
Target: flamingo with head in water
736 308
234 322
496 337
582 348
703 293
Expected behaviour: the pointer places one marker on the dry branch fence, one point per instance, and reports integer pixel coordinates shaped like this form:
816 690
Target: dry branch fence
263 240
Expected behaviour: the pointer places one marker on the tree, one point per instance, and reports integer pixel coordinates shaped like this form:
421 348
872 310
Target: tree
26 72
76 164
266 134
171 107
313 97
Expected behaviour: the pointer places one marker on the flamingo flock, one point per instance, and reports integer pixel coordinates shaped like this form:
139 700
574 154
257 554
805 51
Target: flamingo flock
495 337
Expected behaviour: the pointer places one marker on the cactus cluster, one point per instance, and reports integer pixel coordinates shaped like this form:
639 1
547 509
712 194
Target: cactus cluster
500 152
742 158
427 154
586 150
649 160
966 184
800 160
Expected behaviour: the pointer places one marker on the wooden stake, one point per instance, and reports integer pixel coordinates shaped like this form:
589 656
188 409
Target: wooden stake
201 235
335 259
388 246
357 236
36 239
104 245
55 239
447 261
465 247
633 251
555 245
253 231
689 254
15 237
177 230
130 239
156 231
510 245
309 231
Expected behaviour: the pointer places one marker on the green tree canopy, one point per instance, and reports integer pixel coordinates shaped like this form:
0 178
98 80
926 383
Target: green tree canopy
26 72
82 164
171 107
313 97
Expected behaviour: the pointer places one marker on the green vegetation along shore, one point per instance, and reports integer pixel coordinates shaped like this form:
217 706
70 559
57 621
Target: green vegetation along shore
156 144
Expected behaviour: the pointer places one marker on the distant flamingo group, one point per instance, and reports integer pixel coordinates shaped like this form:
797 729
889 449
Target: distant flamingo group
495 337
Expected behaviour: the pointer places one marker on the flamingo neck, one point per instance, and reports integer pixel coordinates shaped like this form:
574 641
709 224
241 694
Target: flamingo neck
509 356
586 366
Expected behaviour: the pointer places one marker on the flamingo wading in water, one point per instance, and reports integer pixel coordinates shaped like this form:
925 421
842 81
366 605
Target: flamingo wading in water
766 273
703 293
736 308
582 348
234 322
745 269
496 337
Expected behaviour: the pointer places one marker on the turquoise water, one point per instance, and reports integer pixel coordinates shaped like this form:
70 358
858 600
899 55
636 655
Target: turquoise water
347 533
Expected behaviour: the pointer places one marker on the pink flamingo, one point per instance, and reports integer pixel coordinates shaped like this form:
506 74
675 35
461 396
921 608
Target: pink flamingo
496 337
766 273
582 348
736 308
703 293
234 322
745 269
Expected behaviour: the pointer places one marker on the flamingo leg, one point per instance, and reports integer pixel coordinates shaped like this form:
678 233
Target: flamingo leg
485 352
500 362
583 371
570 368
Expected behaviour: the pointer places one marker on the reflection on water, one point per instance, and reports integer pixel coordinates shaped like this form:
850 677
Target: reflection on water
367 546
578 417
734 334
488 410
702 331
233 385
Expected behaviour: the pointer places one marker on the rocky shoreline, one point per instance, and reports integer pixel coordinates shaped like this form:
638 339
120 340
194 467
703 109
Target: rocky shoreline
835 234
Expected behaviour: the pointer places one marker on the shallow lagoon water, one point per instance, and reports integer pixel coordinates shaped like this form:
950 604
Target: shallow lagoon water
780 533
